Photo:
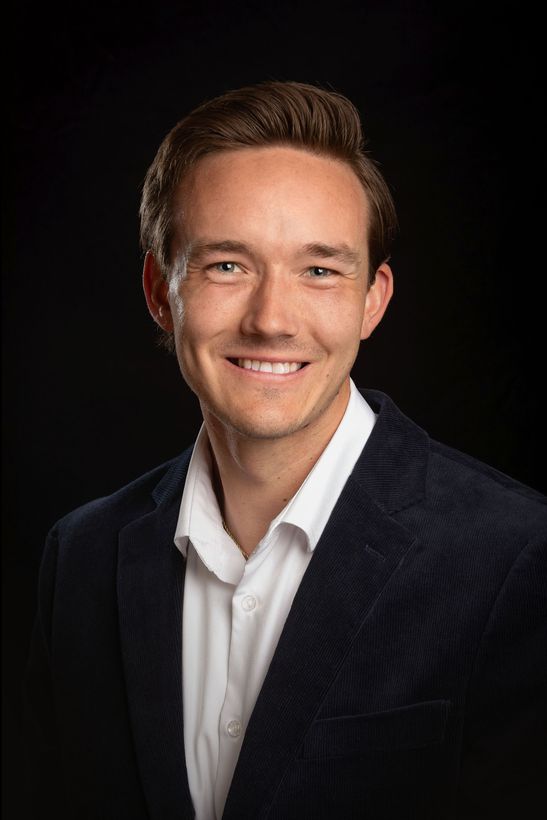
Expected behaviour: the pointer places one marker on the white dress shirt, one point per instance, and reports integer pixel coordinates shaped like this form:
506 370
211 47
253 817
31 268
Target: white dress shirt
234 610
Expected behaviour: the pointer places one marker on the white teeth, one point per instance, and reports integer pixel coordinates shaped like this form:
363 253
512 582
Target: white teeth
269 367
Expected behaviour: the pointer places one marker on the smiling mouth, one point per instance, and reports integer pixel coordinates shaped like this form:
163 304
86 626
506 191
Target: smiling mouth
279 368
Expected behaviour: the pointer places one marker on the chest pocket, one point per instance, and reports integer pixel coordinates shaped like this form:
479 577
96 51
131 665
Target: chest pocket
408 727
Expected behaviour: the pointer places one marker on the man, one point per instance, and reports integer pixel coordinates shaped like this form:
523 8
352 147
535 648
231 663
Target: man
318 611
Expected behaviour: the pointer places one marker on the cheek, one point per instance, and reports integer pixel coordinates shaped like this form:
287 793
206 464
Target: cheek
339 323
200 322
211 313
191 312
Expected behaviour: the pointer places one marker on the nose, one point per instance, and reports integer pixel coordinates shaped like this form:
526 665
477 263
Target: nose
271 310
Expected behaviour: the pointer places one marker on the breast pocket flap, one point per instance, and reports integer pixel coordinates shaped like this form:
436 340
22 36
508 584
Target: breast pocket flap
407 727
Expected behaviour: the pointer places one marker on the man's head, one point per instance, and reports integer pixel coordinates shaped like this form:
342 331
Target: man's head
267 240
271 113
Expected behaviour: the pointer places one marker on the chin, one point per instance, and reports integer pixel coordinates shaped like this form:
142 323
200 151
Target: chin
265 430
268 423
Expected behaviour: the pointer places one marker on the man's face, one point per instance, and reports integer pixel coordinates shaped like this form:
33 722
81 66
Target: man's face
271 303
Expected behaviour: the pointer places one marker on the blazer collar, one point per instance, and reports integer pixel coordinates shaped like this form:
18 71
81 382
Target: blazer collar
392 468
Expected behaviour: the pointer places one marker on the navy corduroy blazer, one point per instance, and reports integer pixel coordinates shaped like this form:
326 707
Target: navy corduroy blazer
409 680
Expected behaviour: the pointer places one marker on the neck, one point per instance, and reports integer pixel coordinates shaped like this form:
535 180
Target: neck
255 478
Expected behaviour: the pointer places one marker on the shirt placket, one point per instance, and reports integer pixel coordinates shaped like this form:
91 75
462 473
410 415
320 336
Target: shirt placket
245 606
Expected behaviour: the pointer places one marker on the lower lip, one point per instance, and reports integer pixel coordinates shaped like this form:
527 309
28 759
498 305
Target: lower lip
260 375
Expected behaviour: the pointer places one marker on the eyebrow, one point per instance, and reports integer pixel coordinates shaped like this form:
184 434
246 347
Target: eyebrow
198 249
341 253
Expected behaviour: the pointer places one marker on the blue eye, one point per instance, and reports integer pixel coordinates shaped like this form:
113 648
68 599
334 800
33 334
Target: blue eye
319 273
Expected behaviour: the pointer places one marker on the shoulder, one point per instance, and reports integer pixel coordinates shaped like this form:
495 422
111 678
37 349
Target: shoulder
445 495
485 525
464 483
129 502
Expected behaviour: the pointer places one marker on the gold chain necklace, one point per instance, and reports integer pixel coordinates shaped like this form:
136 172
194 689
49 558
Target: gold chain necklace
238 545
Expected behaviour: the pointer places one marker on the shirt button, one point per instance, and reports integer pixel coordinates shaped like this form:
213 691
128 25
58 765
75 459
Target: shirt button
233 728
248 603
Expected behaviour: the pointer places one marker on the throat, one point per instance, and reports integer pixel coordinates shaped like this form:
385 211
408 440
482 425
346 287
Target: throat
248 504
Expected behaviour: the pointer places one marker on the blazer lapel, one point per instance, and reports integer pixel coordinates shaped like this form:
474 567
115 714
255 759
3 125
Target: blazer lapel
361 547
150 584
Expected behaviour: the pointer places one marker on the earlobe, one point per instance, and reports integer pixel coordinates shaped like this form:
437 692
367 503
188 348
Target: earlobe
377 300
156 290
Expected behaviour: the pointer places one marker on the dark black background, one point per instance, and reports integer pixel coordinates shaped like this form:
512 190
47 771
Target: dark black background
452 101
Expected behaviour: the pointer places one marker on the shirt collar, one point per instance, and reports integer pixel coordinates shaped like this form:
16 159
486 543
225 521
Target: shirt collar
200 520
311 506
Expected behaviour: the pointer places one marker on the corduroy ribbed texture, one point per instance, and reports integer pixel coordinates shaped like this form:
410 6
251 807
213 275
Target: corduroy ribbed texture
409 680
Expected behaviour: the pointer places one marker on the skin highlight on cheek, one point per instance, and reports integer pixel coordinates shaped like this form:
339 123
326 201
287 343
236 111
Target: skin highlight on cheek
175 298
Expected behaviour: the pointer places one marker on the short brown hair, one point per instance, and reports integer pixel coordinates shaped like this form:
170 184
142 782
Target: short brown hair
270 113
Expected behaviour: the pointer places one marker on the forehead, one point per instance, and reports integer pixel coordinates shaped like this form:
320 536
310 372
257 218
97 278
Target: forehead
274 193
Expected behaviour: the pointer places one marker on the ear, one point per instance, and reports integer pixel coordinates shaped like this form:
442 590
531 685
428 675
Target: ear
377 299
156 290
